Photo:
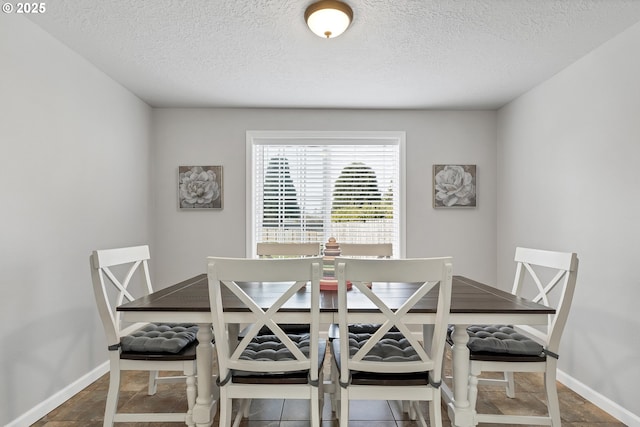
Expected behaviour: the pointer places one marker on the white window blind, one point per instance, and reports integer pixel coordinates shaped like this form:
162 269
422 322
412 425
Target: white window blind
308 192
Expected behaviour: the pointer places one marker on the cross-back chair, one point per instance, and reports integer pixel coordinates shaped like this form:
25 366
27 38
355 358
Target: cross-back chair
278 250
376 250
248 367
361 250
287 250
140 346
525 348
384 364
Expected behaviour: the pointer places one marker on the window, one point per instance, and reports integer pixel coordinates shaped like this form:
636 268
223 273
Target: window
310 186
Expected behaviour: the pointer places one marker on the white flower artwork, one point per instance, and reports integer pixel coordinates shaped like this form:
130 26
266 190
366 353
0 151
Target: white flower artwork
200 187
454 186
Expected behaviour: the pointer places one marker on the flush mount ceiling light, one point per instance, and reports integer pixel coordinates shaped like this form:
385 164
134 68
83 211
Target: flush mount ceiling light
328 18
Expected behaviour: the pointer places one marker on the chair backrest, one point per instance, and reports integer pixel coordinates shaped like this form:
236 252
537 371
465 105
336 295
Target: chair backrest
270 250
426 273
113 271
226 275
380 250
563 268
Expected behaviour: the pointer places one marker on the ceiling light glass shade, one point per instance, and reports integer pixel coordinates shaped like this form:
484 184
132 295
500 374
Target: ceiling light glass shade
328 18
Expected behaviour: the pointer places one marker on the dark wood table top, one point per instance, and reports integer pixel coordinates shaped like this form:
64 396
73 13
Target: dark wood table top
468 296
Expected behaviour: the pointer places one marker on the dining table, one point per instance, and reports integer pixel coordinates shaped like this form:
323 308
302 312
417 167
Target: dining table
472 302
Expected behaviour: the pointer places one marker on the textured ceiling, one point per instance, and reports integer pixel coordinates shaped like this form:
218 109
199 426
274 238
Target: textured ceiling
396 54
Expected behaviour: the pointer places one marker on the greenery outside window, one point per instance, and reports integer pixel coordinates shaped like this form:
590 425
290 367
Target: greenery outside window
309 186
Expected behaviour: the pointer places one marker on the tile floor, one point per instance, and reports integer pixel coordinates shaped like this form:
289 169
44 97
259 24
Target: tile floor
86 408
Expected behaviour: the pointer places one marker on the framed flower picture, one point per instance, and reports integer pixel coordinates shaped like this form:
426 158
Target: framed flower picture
454 186
200 187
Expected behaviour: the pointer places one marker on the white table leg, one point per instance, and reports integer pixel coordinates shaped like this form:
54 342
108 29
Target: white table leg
205 407
460 413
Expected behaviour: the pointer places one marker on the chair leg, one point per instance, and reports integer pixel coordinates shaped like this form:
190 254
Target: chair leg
244 409
153 383
315 407
344 407
320 394
419 415
112 396
225 408
412 410
336 389
553 405
435 410
245 406
511 387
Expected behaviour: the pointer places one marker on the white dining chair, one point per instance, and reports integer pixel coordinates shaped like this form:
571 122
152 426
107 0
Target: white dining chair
369 250
392 365
545 277
286 250
141 346
281 365
280 250
361 250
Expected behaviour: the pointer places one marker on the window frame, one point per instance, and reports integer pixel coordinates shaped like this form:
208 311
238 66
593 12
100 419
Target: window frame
255 137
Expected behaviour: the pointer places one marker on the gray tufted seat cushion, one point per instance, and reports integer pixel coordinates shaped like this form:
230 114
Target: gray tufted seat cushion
503 339
270 348
394 347
160 338
356 328
363 328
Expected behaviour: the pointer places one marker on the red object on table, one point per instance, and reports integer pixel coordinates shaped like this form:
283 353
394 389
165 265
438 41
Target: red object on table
329 284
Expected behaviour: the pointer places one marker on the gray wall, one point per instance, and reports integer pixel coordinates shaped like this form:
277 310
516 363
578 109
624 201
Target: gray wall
217 137
74 176
568 155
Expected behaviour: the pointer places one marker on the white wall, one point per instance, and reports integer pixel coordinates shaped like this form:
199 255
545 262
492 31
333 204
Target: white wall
74 176
183 239
568 154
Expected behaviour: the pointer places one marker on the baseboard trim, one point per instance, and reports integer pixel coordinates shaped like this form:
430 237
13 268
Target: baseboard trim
43 408
615 410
